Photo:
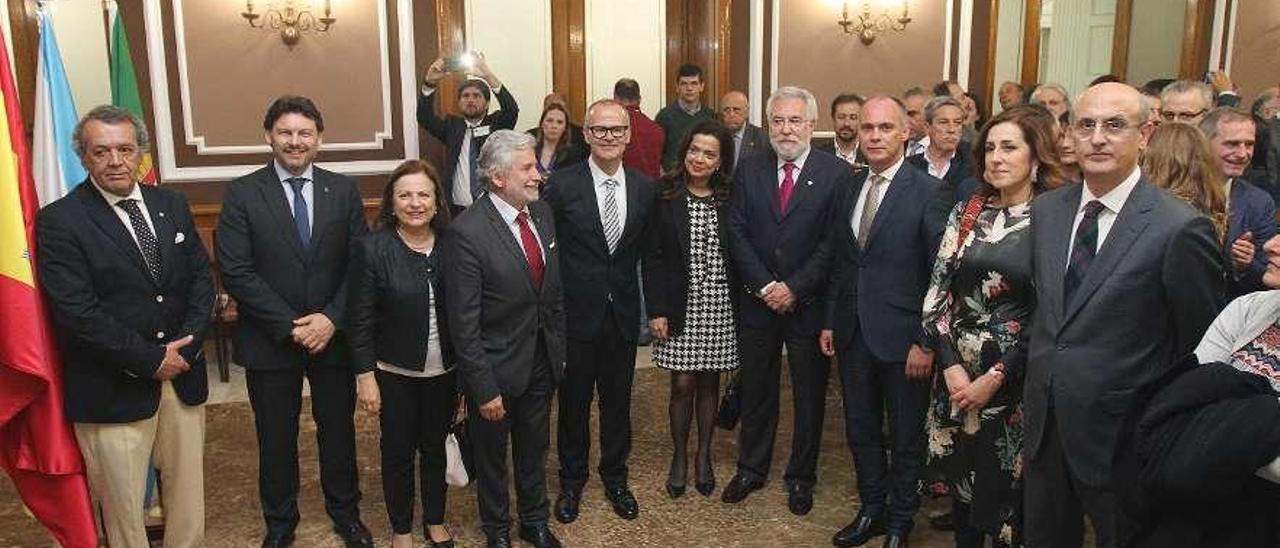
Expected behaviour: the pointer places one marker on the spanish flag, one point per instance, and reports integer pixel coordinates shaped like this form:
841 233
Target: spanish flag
37 446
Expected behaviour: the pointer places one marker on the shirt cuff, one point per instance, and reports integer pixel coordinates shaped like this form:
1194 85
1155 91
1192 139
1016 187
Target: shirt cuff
427 90
1271 472
766 288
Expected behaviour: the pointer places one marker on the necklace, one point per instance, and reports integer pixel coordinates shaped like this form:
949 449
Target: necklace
421 248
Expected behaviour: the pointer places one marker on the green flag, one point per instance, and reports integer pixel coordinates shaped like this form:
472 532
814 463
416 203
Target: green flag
124 88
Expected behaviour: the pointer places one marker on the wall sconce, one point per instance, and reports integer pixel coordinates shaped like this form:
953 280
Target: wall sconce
290 20
869 24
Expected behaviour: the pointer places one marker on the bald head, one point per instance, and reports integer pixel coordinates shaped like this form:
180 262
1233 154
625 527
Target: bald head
733 110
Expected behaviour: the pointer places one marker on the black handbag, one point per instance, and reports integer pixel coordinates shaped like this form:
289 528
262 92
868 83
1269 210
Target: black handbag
730 404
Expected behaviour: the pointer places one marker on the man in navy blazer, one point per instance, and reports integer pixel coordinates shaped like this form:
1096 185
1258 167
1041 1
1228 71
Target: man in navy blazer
887 229
602 212
779 217
1251 212
464 135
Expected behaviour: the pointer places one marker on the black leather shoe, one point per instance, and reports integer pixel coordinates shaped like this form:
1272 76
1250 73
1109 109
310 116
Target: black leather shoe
277 540
440 544
498 542
705 487
895 540
675 491
799 499
354 534
624 503
567 505
540 536
942 522
738 488
863 529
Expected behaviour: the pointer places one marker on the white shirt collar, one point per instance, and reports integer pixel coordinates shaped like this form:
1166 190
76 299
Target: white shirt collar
284 174
892 170
1114 199
599 176
799 161
113 199
506 210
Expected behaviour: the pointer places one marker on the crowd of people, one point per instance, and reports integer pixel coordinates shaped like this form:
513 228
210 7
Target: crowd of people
1010 303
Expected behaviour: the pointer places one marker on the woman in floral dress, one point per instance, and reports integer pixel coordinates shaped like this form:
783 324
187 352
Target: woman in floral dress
979 300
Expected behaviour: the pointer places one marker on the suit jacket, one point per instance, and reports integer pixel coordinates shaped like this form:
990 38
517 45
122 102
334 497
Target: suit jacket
451 129
392 289
955 179
754 141
112 319
644 152
496 315
830 148
880 290
597 277
1252 210
1153 288
273 279
666 260
790 246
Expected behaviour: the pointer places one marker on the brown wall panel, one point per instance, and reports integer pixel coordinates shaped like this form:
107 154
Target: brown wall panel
1255 64
740 45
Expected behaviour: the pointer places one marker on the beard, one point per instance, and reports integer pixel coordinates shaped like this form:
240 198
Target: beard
789 150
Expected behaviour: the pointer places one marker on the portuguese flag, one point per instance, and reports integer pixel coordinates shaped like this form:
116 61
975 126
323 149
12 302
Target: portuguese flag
124 89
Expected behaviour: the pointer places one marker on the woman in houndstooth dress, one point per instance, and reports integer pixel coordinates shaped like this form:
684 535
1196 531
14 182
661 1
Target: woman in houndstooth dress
687 282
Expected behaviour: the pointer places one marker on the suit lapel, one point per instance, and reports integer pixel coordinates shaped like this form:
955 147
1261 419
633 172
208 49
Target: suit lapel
804 180
1128 225
164 231
845 210
587 186
322 209
897 187
102 215
273 195
504 235
546 227
629 227
680 215
1235 216
1059 219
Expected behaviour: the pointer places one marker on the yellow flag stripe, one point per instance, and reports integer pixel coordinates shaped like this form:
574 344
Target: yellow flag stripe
15 253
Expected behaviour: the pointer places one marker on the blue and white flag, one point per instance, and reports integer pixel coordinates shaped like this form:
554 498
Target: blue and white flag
57 169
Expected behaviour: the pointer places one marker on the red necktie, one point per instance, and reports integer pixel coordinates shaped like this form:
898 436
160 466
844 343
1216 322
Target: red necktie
788 184
532 251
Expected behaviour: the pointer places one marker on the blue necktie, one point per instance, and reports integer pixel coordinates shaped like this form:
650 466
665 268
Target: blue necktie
300 219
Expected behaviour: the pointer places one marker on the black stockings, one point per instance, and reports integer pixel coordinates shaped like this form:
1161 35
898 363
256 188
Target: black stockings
689 391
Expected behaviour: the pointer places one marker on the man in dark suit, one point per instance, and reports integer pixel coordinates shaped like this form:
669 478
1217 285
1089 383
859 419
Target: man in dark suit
846 109
1251 212
602 213
506 318
779 216
748 138
463 136
282 241
128 284
946 157
1127 280
887 228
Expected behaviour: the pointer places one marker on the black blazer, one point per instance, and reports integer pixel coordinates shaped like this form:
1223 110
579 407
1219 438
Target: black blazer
451 129
112 319
792 246
666 260
273 280
960 170
754 141
880 290
496 315
597 277
388 317
1149 295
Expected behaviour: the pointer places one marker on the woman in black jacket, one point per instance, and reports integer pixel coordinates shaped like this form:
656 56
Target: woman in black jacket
688 293
400 345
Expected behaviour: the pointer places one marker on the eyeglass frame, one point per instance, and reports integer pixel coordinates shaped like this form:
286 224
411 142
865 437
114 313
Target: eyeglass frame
793 123
600 132
1172 116
1109 127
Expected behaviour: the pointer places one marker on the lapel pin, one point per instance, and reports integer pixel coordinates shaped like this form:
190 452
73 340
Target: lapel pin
808 183
161 214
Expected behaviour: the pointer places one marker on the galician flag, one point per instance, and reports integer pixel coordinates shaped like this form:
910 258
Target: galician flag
57 169
37 447
124 87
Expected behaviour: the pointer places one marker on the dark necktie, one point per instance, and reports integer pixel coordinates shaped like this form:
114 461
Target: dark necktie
611 222
788 184
146 239
473 160
532 251
1083 248
870 205
300 219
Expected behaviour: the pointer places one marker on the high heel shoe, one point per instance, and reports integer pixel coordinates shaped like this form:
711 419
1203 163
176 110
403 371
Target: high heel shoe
675 491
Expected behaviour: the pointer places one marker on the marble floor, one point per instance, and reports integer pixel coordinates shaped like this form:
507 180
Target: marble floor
234 518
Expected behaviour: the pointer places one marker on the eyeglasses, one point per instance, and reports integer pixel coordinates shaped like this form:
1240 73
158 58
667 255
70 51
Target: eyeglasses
794 123
1171 116
600 132
1111 127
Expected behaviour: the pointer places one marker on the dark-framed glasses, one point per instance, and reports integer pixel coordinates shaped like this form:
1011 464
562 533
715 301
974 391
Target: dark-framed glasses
600 132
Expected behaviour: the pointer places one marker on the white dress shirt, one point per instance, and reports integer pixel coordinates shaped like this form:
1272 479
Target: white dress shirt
136 194
509 213
851 157
620 193
939 172
1112 202
308 190
883 189
917 147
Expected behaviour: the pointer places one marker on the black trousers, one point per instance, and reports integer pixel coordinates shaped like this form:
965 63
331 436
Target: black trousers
527 425
415 418
607 365
1056 501
276 397
761 368
870 387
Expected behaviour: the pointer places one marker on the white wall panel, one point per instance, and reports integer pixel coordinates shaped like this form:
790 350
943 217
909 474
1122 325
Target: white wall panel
625 38
515 38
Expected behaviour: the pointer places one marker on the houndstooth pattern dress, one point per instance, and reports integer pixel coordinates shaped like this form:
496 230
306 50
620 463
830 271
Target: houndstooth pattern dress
709 341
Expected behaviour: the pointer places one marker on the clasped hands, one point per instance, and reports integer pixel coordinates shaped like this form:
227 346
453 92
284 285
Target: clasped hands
312 332
173 363
969 394
778 297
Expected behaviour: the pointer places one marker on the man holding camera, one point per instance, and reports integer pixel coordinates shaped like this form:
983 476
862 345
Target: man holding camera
464 135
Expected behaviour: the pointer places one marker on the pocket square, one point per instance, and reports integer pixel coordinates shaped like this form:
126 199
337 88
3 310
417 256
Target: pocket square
179 238
552 245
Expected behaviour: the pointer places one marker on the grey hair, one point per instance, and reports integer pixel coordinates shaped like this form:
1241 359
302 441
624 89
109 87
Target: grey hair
1066 97
1260 103
602 103
1212 122
495 155
793 92
1188 86
111 115
897 103
931 108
